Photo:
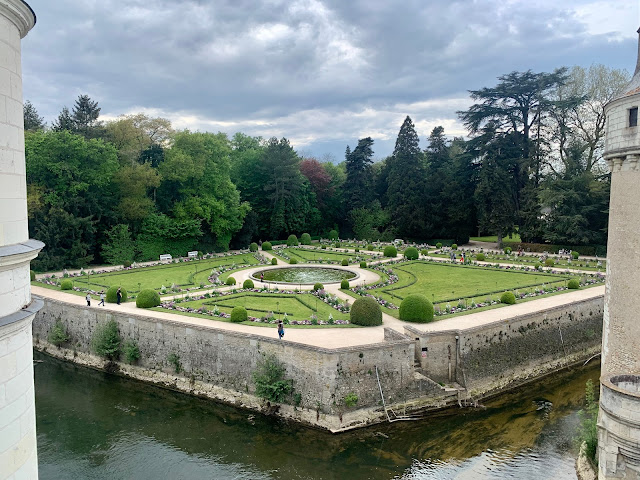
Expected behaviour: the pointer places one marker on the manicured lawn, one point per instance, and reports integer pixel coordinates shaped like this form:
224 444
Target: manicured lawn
493 239
531 261
312 255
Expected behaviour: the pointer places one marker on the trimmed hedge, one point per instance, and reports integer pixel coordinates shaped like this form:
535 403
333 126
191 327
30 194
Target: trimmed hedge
148 298
318 286
573 284
344 284
454 246
345 262
575 254
370 247
411 253
363 264
293 261
365 311
333 234
112 297
480 257
230 281
439 245
66 284
416 308
292 241
507 251
390 251
274 261
239 314
305 239
508 298
253 247
588 250
248 283
549 262
424 252
337 245
267 246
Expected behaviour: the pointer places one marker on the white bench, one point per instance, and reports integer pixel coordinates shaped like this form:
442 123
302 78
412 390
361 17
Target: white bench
193 254
166 256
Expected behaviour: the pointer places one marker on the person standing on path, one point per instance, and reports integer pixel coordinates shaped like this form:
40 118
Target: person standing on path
88 298
119 295
280 329
102 296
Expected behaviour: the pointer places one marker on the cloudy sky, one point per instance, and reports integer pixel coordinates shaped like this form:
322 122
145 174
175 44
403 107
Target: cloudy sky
322 73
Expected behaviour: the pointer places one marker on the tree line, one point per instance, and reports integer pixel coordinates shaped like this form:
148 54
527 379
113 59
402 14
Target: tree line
134 188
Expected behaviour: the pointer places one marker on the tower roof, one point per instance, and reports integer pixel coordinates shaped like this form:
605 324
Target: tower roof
633 87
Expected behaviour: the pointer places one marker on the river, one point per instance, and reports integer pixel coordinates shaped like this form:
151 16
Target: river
92 425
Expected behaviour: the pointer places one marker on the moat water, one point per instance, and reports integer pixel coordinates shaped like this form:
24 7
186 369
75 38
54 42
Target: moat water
92 425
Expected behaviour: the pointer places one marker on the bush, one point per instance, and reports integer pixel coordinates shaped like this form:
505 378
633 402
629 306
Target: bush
269 380
126 263
267 246
537 266
439 245
305 239
293 261
370 247
106 340
424 252
390 251
507 251
411 253
253 247
345 262
344 284
337 245
350 400
363 264
131 351
324 247
174 359
239 314
112 297
66 284
58 334
147 298
357 250
248 283
416 308
365 311
318 286
230 281
588 430
333 235
454 246
292 241
274 261
549 262
575 255
574 283
508 298
480 257
32 275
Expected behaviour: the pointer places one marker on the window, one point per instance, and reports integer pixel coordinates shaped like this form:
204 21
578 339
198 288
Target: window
633 117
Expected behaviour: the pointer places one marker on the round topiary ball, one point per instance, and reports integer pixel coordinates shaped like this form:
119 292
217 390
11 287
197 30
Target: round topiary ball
390 251
345 262
549 262
411 253
253 247
274 261
357 250
305 239
336 245
333 235
480 257
318 286
230 281
32 275
424 252
363 264
575 255
454 246
248 283
365 311
292 241
370 247
507 251
112 296
239 314
416 308
267 246
147 298
293 261
344 284
508 298
66 284
126 263
439 245
573 284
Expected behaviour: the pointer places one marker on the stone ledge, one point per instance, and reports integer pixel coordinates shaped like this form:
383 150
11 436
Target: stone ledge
30 310
20 13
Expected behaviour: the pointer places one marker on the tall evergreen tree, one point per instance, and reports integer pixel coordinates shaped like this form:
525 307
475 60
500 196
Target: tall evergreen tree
32 121
358 165
85 115
63 122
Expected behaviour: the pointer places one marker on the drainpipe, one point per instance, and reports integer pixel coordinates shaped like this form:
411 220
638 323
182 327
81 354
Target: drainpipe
457 349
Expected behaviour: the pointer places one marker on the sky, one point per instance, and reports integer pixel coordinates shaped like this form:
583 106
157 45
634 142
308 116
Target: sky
321 73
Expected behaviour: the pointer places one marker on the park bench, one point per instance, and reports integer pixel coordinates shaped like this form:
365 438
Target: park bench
193 254
165 257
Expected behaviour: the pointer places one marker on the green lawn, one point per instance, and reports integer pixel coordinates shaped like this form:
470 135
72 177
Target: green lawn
532 260
515 238
308 255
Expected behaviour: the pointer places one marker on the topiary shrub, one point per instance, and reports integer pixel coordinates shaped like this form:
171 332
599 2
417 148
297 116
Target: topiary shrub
508 298
365 311
416 308
230 281
113 298
337 245
357 250
390 251
480 257
549 262
305 239
439 245
363 264
507 251
147 298
66 284
248 283
32 275
253 247
267 246
575 255
292 241
344 284
239 314
318 286
126 263
573 284
345 262
370 247
333 235
274 261
411 253
106 340
454 246
293 261
537 266
424 252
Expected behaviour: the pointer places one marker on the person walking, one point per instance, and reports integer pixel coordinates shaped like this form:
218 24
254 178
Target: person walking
88 298
119 295
102 297
280 329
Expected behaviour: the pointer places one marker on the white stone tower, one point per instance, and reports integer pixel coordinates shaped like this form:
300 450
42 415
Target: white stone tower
18 452
619 418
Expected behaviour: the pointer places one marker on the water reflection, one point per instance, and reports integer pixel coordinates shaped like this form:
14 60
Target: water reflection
95 426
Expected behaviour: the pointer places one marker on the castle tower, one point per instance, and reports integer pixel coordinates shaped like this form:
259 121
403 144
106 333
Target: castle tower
619 417
18 453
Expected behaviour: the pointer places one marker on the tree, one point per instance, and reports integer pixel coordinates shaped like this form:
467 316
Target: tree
63 122
134 183
134 134
32 121
318 178
119 247
85 115
357 187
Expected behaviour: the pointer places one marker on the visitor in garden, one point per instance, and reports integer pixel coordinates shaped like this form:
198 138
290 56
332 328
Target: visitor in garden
280 329
88 297
262 277
119 295
102 297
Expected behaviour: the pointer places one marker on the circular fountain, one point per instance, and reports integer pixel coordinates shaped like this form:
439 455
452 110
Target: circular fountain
304 275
